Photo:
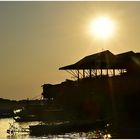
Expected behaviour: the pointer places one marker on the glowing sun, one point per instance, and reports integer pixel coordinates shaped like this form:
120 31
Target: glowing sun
102 27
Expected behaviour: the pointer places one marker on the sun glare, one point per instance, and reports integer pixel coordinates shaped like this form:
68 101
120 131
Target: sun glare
102 27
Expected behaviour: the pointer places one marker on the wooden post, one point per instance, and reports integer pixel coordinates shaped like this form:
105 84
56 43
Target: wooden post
90 73
113 72
101 72
107 72
78 74
83 73
96 72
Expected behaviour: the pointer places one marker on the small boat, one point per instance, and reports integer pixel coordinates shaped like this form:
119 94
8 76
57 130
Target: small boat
66 127
38 113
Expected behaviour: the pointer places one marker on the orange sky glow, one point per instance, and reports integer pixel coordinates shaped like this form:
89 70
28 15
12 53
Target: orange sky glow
37 38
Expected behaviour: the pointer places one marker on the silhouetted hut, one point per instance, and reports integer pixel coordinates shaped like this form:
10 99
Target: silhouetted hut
106 87
100 64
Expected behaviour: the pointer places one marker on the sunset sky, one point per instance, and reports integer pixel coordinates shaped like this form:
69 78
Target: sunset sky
36 38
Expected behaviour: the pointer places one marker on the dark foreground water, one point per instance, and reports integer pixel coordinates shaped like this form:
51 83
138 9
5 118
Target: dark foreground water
4 125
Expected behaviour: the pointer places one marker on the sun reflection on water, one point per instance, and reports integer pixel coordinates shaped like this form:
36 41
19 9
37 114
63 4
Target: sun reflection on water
4 125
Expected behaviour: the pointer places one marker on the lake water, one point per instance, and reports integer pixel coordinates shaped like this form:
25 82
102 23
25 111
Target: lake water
5 123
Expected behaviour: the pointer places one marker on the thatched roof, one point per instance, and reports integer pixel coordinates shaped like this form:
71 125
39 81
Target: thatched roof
102 60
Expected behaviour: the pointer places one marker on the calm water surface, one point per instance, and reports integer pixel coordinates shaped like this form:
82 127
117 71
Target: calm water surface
5 123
